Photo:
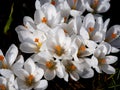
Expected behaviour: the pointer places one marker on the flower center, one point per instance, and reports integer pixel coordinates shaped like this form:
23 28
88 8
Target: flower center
44 20
30 80
102 61
51 65
70 67
39 44
2 87
59 50
95 4
4 66
53 2
91 29
81 49
74 4
113 35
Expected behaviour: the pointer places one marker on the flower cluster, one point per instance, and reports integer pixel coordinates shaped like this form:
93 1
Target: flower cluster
63 42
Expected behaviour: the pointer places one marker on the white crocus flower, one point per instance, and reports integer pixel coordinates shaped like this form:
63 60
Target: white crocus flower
48 15
71 68
9 62
80 50
29 76
28 24
8 83
76 70
39 3
31 42
101 60
113 37
51 67
94 27
97 6
76 7
59 45
68 27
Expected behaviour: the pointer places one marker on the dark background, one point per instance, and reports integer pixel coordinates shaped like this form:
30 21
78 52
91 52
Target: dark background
26 8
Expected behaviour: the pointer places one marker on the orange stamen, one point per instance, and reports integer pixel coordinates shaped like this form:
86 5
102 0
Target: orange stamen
114 35
1 58
49 64
72 67
36 40
82 48
91 29
2 87
102 61
44 20
53 2
30 80
65 31
59 50
74 1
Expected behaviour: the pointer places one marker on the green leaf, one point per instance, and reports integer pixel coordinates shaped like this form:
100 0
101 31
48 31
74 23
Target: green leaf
9 21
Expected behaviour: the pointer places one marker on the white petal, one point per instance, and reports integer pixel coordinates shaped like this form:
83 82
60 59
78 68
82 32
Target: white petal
30 66
114 50
49 75
38 74
3 80
74 75
116 42
60 36
89 21
98 36
22 85
19 64
91 44
6 73
84 33
37 4
21 74
66 77
111 59
87 73
41 85
28 47
24 35
11 54
59 70
108 69
27 19
103 7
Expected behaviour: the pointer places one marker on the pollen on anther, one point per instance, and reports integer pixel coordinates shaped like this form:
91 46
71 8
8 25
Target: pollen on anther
1 58
74 1
36 40
73 67
114 35
91 29
53 2
102 61
82 48
2 87
44 20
